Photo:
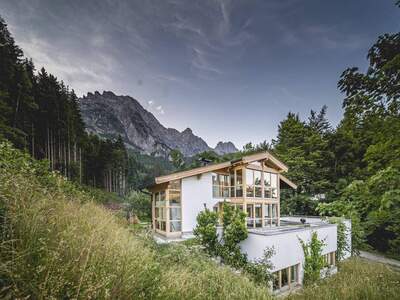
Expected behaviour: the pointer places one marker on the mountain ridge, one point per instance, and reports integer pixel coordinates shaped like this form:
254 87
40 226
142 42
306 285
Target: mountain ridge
109 116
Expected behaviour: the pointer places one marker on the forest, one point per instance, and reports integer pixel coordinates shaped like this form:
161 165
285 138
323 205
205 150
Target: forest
40 115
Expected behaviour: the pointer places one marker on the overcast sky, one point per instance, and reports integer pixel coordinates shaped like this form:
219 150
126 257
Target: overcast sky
230 70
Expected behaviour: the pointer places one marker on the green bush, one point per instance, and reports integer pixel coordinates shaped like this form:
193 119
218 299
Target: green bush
313 259
260 270
342 246
234 231
206 230
139 204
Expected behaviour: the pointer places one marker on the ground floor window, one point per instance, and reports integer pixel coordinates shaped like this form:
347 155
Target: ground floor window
261 215
167 209
330 259
285 278
270 215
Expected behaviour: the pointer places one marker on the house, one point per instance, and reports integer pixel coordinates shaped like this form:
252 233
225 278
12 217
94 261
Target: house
253 184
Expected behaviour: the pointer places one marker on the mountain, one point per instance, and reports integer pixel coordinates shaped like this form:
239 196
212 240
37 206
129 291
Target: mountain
225 148
109 116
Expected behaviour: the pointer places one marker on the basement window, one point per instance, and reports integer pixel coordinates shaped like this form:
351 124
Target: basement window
285 278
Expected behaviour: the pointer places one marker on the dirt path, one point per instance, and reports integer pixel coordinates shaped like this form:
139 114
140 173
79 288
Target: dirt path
380 258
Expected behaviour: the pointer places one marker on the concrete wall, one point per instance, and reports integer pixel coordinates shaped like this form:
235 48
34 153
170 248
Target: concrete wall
288 250
196 191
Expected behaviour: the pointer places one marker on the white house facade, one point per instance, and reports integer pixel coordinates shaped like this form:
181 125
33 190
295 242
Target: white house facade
251 184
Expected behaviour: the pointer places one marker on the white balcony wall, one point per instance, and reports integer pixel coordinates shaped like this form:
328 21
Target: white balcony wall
288 250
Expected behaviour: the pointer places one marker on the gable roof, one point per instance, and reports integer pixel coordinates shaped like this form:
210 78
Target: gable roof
213 167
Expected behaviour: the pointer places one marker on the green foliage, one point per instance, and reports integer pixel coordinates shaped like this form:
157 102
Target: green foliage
357 279
41 115
177 159
313 259
303 146
260 270
297 204
342 245
234 231
373 207
347 210
142 169
206 230
139 204
190 274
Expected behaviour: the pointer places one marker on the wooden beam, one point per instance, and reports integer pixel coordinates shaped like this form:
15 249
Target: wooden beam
287 181
192 172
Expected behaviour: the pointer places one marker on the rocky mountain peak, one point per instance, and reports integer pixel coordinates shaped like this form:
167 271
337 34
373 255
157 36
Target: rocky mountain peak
187 131
225 147
109 115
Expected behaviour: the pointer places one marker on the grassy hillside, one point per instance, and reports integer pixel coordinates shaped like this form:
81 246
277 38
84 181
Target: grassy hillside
57 243
357 279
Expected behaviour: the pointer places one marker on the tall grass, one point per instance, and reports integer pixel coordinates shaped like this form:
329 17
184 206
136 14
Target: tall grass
55 242
357 279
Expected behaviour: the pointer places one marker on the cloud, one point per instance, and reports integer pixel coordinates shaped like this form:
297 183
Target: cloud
153 107
160 109
209 34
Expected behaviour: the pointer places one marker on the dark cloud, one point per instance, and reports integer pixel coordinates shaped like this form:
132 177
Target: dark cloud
230 60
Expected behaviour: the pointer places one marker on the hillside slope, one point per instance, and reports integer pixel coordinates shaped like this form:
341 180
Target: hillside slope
56 243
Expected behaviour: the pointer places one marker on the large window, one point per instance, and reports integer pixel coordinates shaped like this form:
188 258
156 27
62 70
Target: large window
221 186
253 183
160 211
239 183
174 197
270 185
167 208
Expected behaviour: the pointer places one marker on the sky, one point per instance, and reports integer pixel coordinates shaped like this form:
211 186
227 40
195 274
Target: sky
229 70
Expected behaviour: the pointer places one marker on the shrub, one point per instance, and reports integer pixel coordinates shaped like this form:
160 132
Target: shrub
313 259
342 246
260 270
139 204
234 231
206 230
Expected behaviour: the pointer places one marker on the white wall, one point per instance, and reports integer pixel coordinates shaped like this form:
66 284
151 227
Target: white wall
288 250
196 191
347 253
